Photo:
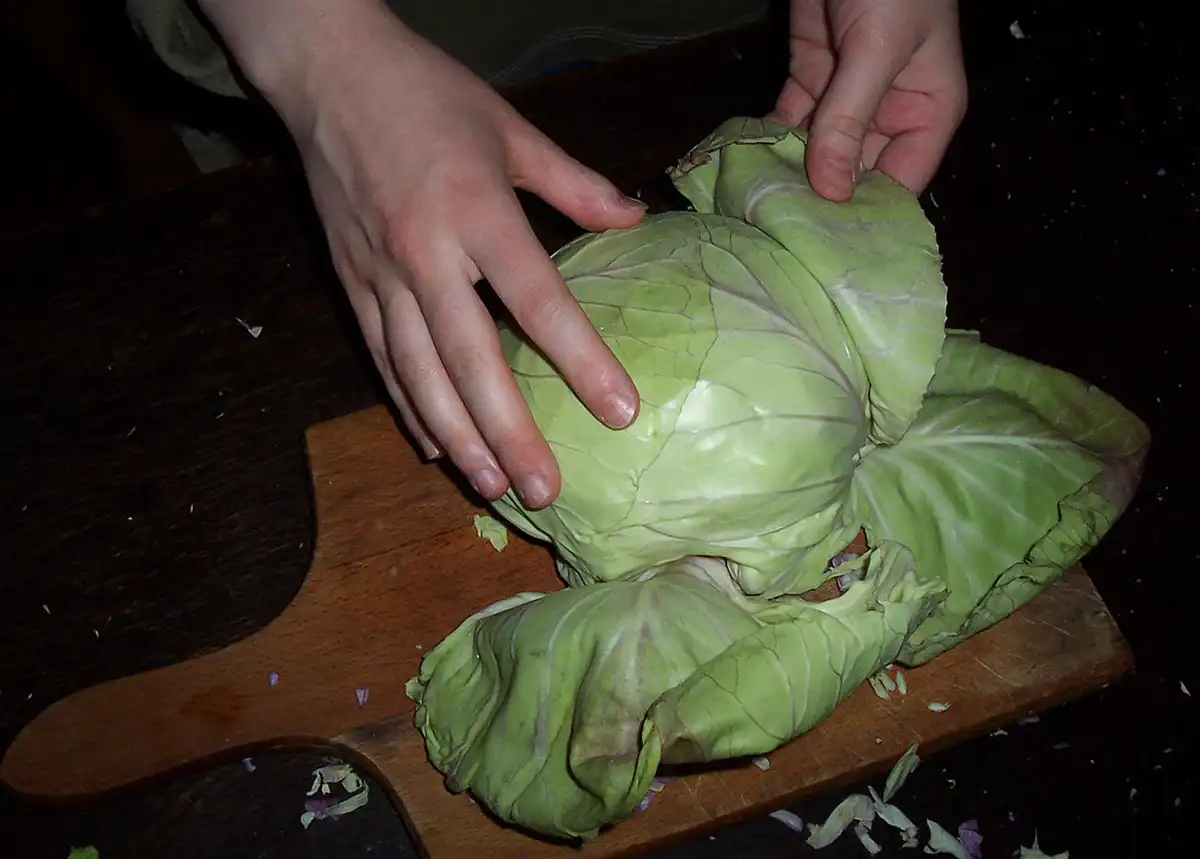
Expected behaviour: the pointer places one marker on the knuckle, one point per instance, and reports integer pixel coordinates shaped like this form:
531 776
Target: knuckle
451 188
395 303
416 236
403 238
843 132
465 188
421 374
467 364
539 306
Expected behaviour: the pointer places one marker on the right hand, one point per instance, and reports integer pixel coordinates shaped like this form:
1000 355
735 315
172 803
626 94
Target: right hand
412 161
876 82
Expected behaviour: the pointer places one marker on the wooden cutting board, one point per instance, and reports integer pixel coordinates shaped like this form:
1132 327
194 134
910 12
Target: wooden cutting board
396 566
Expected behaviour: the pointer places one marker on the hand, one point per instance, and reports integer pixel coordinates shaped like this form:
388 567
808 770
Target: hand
876 82
412 162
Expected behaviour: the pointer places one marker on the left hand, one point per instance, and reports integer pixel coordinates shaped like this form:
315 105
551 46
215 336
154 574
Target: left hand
878 83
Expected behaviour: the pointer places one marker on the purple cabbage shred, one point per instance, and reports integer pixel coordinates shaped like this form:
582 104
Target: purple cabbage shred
972 841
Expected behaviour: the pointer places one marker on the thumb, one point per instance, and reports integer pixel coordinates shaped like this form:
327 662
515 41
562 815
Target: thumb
864 74
583 195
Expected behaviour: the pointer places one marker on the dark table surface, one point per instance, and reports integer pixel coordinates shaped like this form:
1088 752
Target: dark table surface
155 499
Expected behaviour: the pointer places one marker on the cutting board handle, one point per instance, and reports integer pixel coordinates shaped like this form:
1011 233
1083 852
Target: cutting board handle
295 680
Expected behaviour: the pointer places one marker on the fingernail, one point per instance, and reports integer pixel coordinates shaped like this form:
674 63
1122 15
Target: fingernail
839 178
619 410
431 450
535 492
489 483
634 203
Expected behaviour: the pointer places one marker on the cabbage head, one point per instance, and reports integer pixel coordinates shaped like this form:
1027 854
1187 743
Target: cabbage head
771 334
798 386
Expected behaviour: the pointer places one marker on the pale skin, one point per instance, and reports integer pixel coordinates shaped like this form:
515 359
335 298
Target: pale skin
412 162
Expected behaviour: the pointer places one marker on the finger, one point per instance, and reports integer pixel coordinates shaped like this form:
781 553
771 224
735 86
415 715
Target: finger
912 159
794 106
420 371
370 320
811 63
408 414
864 74
583 195
473 372
533 290
350 252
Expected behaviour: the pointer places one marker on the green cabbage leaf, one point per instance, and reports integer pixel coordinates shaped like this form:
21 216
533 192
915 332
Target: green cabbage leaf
558 709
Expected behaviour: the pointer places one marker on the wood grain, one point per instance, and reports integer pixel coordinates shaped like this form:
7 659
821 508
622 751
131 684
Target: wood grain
387 524
397 566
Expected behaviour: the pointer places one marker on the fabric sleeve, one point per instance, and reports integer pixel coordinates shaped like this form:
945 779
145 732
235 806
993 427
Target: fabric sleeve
183 40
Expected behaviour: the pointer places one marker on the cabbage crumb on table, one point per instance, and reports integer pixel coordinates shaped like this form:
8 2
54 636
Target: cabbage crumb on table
798 387
487 528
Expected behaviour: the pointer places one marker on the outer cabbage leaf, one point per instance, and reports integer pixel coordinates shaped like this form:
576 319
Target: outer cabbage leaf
555 711
875 257
1011 473
538 707
751 419
778 683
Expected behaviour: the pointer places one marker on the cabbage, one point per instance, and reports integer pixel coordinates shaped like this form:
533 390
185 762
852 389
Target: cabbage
557 709
798 386
696 318
756 330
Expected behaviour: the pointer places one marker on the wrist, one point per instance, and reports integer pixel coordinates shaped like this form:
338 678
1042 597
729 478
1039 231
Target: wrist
283 46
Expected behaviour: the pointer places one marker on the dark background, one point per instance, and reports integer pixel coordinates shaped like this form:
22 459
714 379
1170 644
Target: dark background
153 481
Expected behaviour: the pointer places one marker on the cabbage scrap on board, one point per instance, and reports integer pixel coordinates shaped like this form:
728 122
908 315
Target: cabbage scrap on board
798 385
